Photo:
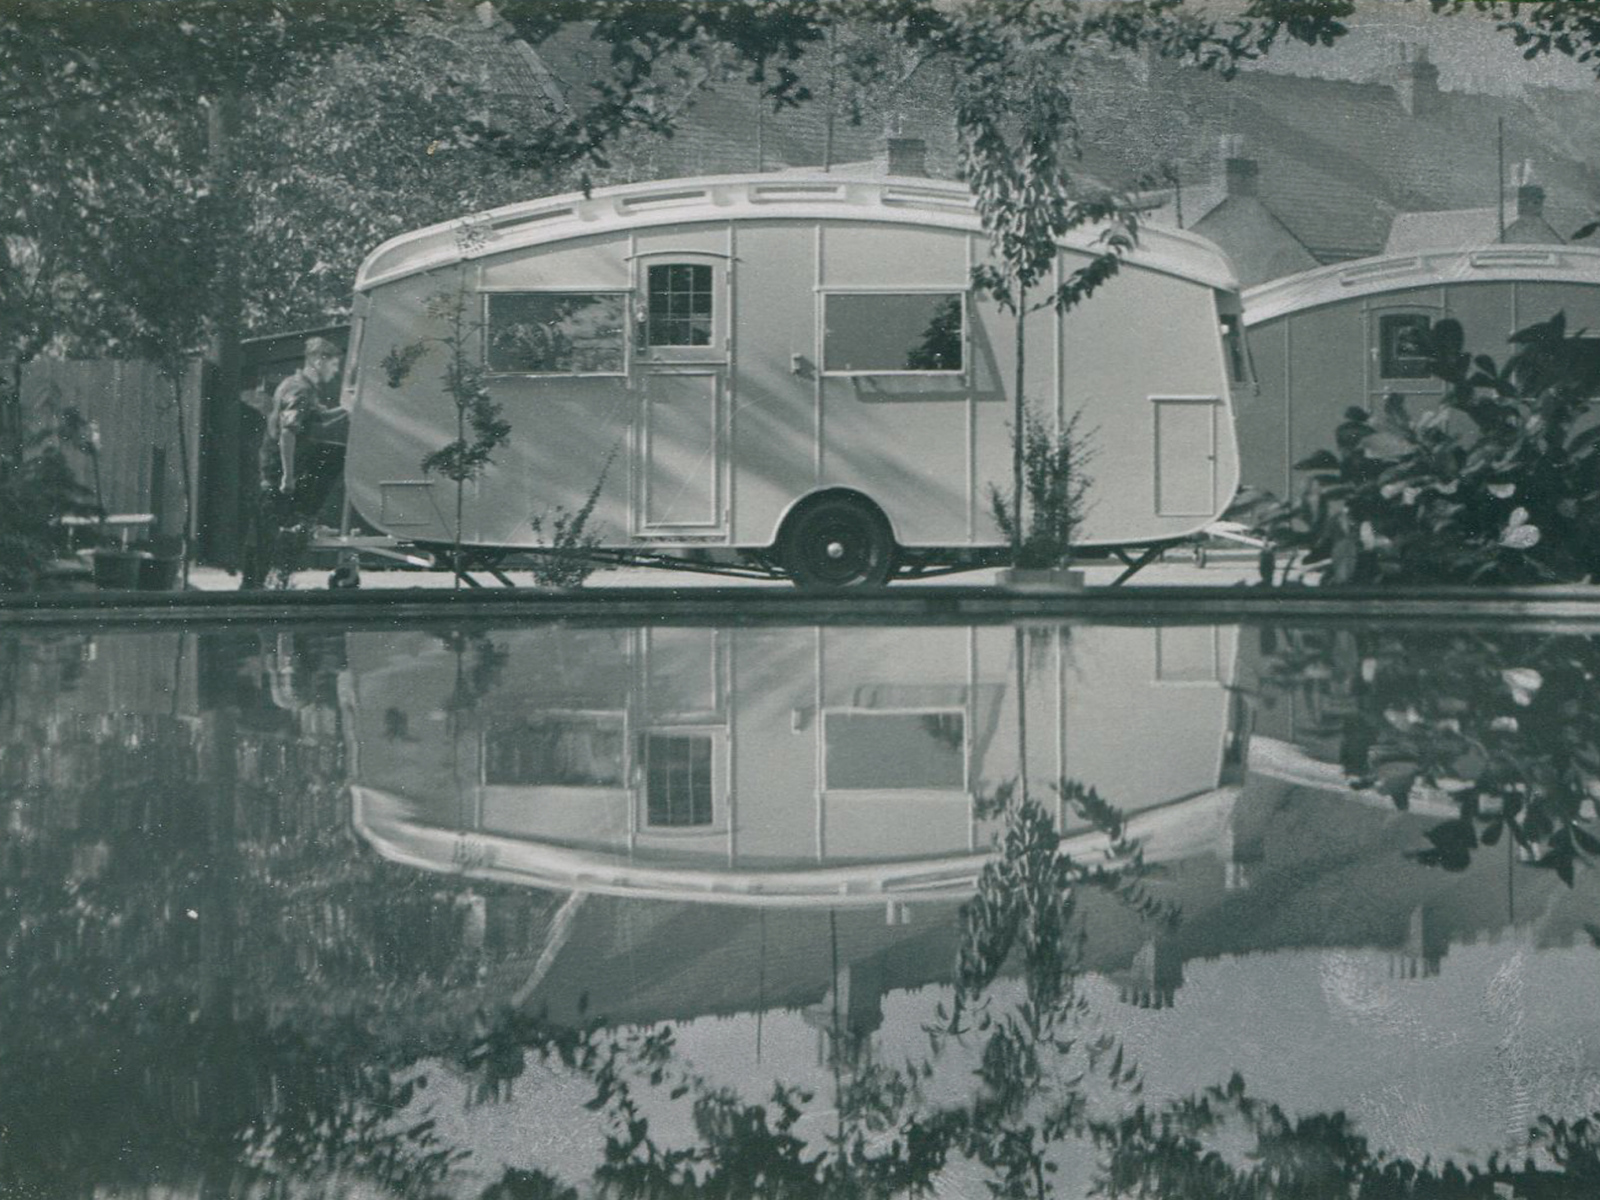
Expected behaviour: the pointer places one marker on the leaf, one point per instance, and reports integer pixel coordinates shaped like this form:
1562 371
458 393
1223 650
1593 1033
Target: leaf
1520 537
1322 460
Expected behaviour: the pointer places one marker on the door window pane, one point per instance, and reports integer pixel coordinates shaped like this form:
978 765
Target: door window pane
872 751
893 332
680 305
1403 346
678 781
559 333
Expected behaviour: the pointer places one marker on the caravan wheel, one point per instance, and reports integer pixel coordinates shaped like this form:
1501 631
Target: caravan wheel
837 542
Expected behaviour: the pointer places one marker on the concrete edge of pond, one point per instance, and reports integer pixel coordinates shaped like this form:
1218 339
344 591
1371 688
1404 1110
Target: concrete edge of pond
922 605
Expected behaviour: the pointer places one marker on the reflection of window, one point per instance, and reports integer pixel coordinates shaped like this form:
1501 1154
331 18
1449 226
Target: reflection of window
678 780
1403 346
680 305
892 332
874 750
555 751
567 333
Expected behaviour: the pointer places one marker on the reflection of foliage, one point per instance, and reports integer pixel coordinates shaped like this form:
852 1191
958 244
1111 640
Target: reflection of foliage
1516 500
1508 728
1055 484
1226 1143
940 347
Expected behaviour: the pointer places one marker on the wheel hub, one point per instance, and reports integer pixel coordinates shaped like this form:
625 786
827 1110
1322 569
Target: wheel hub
835 550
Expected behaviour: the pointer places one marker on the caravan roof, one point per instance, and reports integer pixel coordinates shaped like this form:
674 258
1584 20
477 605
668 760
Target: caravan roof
1394 272
904 200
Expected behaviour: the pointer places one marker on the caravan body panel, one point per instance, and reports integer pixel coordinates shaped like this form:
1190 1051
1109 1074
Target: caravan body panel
703 354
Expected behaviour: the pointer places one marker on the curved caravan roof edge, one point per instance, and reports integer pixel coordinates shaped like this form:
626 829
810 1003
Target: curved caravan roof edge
1397 272
911 200
378 816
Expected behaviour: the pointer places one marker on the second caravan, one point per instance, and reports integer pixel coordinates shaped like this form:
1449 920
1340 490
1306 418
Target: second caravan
790 373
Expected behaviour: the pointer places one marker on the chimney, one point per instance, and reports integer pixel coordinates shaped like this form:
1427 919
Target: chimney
1239 171
1530 201
908 156
1417 84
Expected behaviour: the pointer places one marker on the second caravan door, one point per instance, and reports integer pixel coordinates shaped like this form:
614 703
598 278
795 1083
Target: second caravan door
681 375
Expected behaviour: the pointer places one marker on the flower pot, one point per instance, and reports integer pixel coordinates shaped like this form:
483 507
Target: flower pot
1041 579
115 570
159 573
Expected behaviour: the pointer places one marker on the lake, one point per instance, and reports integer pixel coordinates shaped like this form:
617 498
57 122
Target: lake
560 910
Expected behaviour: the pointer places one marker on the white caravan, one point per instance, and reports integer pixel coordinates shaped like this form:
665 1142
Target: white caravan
787 374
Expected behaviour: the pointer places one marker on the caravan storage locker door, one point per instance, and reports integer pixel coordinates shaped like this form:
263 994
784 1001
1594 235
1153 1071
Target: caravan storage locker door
1186 456
681 334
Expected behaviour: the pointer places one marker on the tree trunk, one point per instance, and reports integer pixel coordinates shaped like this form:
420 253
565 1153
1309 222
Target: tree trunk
11 433
220 437
1019 410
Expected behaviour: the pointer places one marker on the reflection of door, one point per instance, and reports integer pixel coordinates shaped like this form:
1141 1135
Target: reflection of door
1186 456
680 453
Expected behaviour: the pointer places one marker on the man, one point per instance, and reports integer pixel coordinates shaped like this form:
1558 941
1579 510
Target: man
301 457
302 453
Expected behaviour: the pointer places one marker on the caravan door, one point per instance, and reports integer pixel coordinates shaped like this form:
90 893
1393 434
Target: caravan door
681 376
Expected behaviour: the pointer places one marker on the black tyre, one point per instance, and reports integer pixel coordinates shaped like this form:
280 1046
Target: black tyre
837 542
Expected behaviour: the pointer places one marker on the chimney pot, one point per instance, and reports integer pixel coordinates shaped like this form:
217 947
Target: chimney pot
1242 174
908 156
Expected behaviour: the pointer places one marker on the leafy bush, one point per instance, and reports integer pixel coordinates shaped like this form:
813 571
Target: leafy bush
1498 485
1055 493
35 494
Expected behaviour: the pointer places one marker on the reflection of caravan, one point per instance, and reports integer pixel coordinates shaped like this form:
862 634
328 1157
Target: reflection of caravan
791 372
1348 335
763 765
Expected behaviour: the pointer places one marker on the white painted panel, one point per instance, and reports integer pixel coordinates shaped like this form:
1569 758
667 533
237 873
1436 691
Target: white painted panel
681 467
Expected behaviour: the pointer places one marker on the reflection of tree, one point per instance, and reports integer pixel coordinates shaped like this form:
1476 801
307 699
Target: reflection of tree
1505 727
940 347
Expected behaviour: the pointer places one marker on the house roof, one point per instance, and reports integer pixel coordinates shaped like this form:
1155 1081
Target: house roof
1338 160
1454 228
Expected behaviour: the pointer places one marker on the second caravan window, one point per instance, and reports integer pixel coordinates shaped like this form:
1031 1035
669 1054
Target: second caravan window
892 331
557 333
1403 346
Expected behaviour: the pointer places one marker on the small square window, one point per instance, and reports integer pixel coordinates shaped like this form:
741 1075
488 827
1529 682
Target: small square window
892 332
557 333
680 305
1403 346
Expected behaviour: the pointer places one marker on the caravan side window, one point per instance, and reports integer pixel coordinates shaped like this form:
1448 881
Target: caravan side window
876 751
557 333
1403 346
555 750
870 333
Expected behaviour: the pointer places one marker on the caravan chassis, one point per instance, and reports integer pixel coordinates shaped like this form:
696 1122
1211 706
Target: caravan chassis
495 562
